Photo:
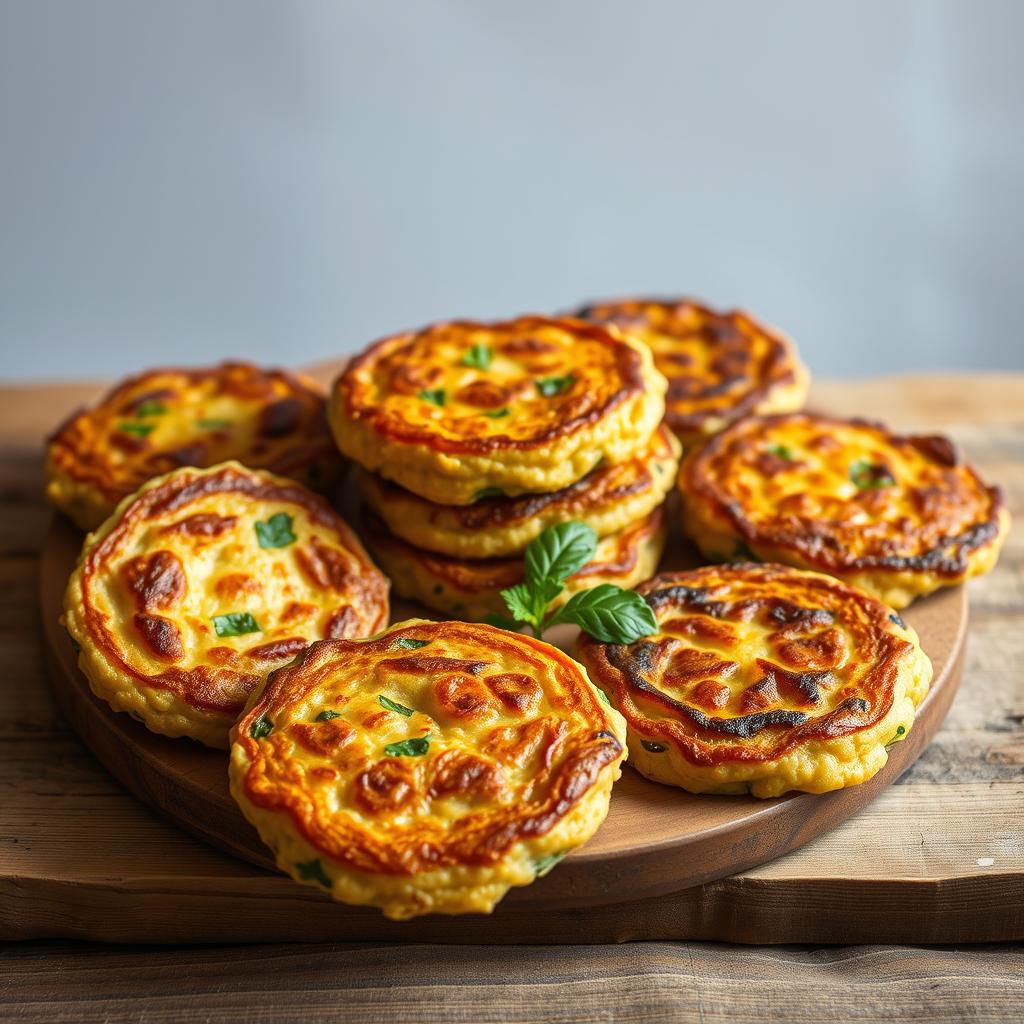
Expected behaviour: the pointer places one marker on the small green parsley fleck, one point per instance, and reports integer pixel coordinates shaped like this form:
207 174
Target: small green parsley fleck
313 871
781 450
213 424
326 716
261 727
236 624
496 414
435 397
399 709
542 865
151 409
479 356
275 532
139 429
410 643
488 492
415 747
869 477
551 386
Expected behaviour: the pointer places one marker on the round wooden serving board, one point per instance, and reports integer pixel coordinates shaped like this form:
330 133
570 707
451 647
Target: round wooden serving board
656 840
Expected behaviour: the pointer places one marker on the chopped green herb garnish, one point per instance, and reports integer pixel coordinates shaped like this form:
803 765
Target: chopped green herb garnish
236 624
261 727
652 747
488 492
900 732
435 397
479 356
313 871
544 864
275 532
140 429
410 643
326 716
603 695
496 414
550 386
151 409
781 450
415 747
869 476
213 424
399 709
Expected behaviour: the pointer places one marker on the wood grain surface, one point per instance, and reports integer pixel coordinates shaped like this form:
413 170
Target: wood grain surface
948 836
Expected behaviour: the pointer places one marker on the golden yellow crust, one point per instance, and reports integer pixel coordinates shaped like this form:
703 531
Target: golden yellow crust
762 679
527 405
720 366
162 419
204 581
471 588
427 769
608 499
897 516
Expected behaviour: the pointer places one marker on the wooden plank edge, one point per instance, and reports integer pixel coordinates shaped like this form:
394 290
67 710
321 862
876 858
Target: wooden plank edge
970 909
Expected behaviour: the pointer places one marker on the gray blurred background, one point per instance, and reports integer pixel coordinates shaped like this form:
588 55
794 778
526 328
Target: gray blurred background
288 180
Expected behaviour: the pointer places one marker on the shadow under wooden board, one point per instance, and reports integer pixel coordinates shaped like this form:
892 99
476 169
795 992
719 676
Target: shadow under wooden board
656 840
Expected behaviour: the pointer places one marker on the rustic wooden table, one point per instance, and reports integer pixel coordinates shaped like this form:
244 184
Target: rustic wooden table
947 841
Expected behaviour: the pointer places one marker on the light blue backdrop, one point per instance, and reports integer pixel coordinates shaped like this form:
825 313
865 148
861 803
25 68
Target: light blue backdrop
288 180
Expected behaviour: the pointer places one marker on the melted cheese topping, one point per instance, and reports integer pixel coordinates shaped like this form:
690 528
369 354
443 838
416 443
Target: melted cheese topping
204 582
762 677
471 588
720 366
164 419
533 404
426 769
896 515
608 499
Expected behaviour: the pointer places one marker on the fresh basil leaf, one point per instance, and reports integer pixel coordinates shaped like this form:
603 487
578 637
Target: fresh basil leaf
781 450
236 624
415 747
869 476
519 602
150 408
261 727
313 871
559 551
488 492
551 386
213 424
479 356
326 716
410 643
435 397
542 865
139 429
399 709
496 414
275 532
609 614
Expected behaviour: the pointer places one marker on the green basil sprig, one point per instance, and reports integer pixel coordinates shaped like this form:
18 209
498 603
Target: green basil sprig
608 613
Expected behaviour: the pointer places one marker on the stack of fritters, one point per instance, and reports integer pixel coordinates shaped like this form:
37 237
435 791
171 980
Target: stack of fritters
473 438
